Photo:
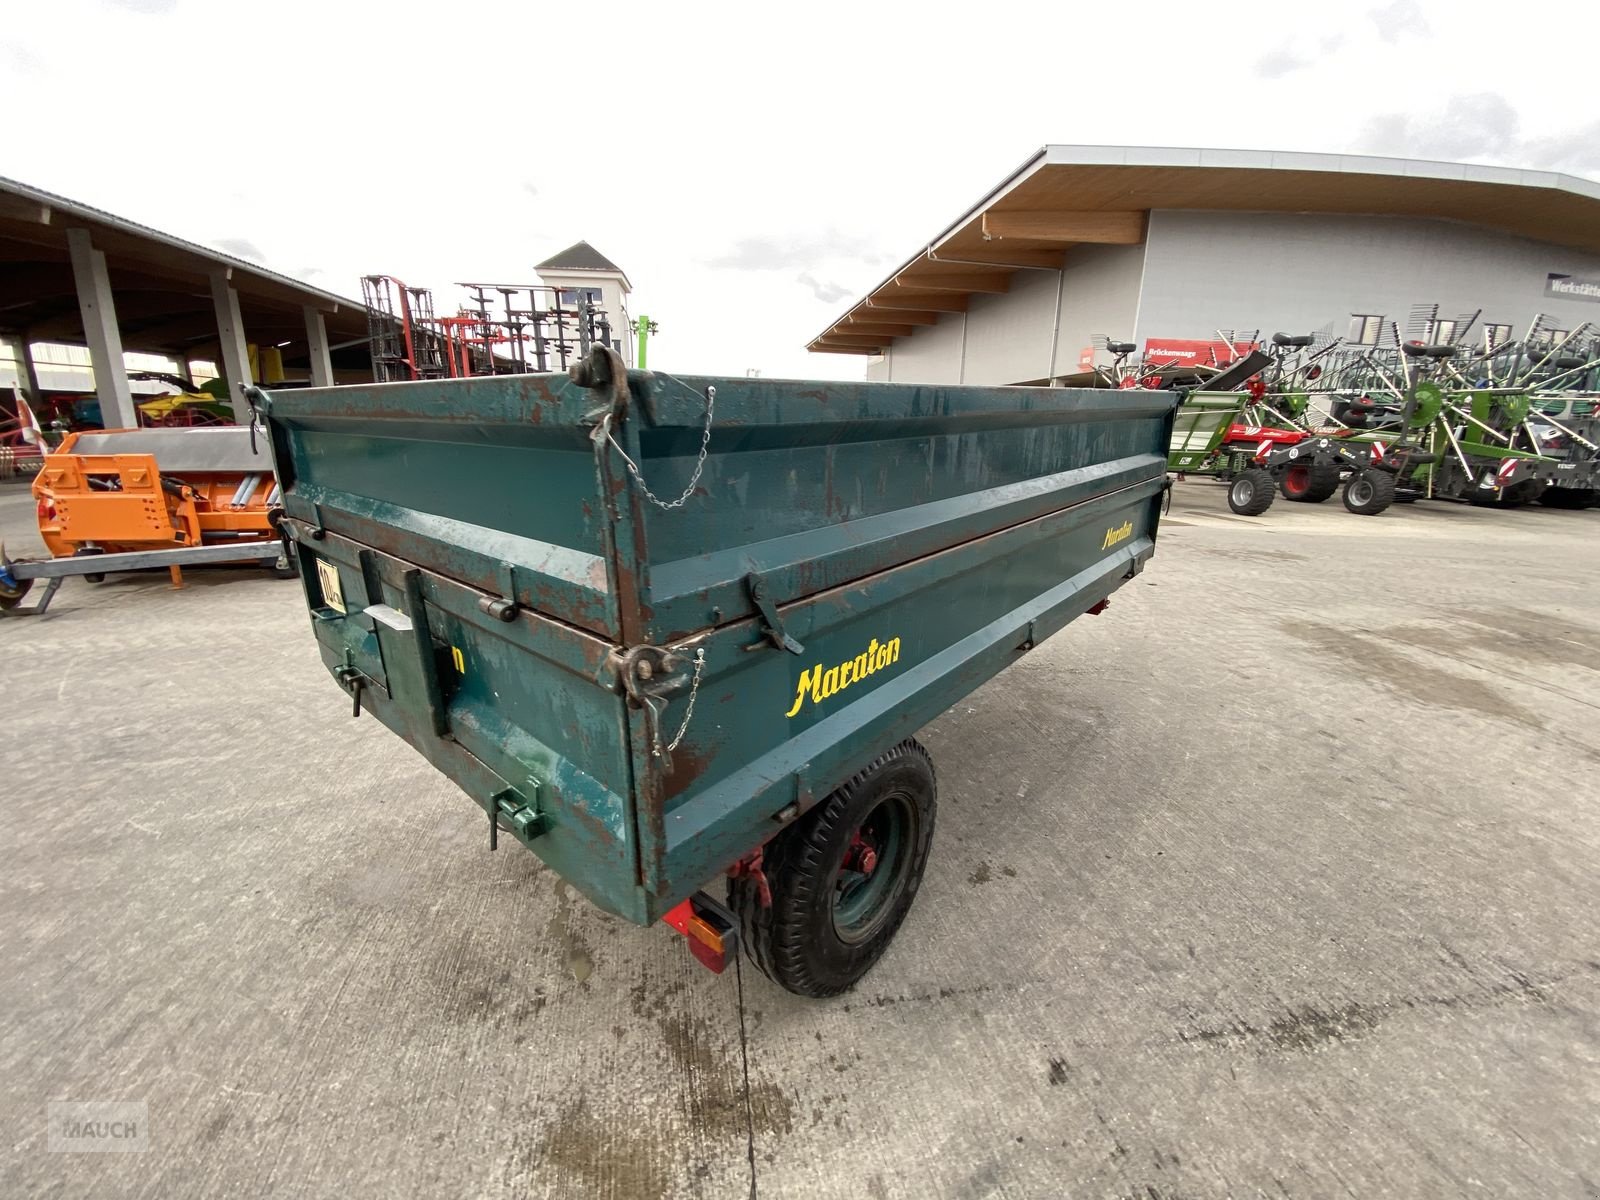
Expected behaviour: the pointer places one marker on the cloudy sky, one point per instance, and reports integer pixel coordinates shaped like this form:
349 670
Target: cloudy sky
753 167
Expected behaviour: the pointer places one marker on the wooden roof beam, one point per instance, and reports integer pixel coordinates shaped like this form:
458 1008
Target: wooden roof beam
900 316
824 346
857 339
997 254
970 280
882 328
927 301
1101 228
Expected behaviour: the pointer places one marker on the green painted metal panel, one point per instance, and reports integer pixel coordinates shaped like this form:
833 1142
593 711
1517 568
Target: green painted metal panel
912 540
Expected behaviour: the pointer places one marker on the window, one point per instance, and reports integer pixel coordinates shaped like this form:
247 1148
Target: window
1496 335
1365 329
572 297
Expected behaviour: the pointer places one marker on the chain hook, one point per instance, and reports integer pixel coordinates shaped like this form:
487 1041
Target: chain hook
700 462
688 715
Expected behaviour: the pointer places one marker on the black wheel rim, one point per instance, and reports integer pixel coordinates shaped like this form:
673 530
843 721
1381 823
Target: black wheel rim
872 870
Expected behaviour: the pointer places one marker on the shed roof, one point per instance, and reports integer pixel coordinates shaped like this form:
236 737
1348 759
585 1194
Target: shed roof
1071 195
160 283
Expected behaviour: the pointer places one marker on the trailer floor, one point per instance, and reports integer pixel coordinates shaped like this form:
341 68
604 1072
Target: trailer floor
1279 878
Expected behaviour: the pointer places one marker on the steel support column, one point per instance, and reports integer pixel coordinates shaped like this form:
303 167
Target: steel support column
100 332
317 340
235 352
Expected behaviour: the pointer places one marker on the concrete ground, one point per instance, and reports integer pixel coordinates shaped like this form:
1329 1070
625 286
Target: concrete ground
1280 878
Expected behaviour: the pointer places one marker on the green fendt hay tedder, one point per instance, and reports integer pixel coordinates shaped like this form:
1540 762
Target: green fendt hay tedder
1501 424
663 630
1567 429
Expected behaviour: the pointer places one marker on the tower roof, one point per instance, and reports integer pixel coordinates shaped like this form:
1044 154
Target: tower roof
580 256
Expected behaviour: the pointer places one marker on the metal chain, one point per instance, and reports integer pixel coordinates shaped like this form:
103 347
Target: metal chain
694 690
700 463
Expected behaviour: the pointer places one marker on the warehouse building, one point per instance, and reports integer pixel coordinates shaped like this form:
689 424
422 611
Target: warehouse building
1171 249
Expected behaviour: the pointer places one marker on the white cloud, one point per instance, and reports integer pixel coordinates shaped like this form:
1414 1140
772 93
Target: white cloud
1482 126
240 248
828 293
674 137
1401 18
1278 62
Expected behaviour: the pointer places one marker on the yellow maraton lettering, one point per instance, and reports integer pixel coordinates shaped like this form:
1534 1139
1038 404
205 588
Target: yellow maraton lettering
1120 533
817 682
800 696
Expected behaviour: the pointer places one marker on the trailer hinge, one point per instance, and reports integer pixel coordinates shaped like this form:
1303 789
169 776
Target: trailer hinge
771 623
503 607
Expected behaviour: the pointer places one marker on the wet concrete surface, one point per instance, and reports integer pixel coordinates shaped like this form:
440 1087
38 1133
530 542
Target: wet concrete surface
1279 878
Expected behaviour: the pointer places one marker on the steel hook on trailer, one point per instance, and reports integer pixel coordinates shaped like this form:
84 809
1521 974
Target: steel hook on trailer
649 675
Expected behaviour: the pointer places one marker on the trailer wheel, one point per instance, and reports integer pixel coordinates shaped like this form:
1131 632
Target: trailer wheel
842 877
12 595
1558 497
1310 483
1250 495
1369 492
95 577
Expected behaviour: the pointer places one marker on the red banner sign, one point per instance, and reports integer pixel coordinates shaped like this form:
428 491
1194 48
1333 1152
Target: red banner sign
1183 352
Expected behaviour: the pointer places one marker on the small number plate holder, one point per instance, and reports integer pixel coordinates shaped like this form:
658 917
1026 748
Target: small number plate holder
328 579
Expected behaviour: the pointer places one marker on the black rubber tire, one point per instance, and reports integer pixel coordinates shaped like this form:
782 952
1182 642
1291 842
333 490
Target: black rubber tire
1251 493
10 597
95 577
1368 493
795 942
1309 483
1557 497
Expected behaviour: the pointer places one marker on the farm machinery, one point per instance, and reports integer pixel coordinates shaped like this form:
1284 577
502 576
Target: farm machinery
1503 423
131 499
1488 425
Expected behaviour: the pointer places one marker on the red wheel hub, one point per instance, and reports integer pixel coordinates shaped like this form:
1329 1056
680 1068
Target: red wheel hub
862 855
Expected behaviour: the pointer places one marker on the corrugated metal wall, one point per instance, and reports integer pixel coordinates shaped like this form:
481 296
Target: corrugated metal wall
1202 271
931 355
1297 273
1008 336
1101 296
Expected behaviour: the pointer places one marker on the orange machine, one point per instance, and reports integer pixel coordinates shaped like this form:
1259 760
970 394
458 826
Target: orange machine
115 491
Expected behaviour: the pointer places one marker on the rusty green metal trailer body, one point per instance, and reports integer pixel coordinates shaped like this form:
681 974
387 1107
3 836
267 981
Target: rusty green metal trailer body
489 579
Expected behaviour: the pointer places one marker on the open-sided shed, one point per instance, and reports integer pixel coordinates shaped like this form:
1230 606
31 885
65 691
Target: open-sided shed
75 274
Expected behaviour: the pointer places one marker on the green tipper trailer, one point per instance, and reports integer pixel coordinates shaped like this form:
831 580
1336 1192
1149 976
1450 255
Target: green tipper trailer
663 629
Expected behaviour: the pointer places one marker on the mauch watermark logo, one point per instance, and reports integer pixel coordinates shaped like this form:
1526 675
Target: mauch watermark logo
99 1127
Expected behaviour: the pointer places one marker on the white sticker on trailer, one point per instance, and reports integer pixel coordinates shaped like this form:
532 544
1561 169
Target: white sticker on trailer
328 578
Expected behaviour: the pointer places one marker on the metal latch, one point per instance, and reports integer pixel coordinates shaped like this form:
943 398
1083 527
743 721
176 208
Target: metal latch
649 675
522 817
353 681
771 623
